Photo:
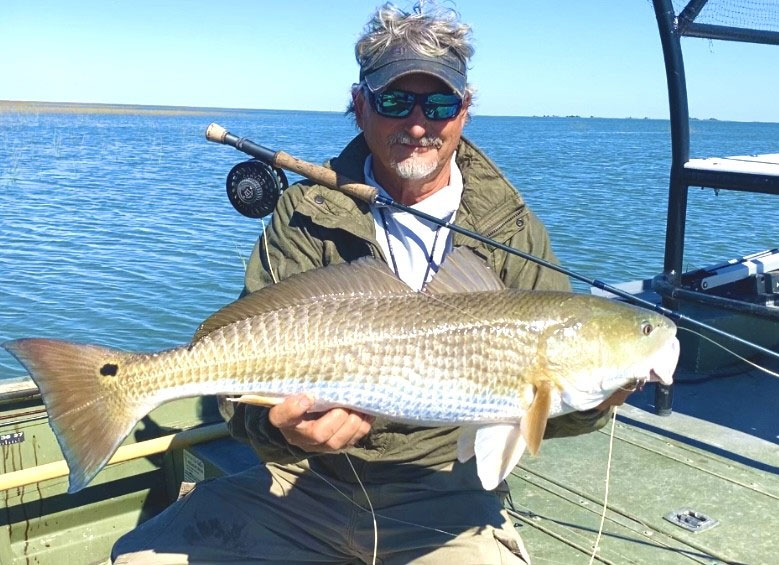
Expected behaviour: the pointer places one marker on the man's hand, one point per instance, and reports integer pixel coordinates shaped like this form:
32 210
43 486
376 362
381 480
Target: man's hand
322 432
616 399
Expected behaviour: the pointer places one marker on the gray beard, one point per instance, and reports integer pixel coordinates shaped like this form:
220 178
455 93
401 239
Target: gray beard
415 168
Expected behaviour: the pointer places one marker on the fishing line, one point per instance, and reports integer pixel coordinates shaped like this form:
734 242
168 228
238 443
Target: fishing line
370 505
575 544
370 195
356 476
606 492
382 516
742 358
267 254
238 252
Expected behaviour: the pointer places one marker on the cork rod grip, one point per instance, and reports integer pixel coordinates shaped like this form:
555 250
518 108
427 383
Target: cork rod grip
216 133
326 177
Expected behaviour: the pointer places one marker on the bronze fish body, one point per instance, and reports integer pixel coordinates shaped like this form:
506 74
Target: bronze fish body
464 351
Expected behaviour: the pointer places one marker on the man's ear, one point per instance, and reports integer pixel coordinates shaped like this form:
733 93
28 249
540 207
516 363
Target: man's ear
358 98
467 107
467 101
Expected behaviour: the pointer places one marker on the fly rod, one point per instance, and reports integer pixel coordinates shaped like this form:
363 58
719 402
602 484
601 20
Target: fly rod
370 195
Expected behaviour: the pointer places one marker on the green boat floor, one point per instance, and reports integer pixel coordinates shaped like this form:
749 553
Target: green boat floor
558 501
40 523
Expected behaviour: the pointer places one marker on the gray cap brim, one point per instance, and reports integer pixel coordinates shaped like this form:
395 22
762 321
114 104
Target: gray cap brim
401 60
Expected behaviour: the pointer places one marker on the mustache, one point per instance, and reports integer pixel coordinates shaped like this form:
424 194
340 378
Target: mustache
404 138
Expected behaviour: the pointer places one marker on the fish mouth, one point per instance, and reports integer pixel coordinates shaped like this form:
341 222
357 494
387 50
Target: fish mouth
654 377
663 369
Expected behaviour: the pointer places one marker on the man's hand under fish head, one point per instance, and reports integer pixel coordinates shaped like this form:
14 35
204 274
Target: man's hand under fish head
616 399
332 430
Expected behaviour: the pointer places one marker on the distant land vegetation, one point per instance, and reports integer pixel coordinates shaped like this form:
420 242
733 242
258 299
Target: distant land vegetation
25 107
33 107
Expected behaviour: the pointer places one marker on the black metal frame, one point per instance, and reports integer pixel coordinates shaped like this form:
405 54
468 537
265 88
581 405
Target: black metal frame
672 29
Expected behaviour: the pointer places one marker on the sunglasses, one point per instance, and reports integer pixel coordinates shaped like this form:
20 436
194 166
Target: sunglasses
399 104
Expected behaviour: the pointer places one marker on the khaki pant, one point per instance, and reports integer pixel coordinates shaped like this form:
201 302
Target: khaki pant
287 514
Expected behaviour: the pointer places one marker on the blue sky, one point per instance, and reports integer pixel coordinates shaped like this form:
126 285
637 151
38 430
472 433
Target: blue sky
533 57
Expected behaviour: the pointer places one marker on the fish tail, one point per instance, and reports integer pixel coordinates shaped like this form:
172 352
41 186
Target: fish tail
89 418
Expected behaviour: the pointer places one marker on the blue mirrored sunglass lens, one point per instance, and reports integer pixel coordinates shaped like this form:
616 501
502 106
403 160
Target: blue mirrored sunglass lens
395 103
440 112
399 104
442 99
441 106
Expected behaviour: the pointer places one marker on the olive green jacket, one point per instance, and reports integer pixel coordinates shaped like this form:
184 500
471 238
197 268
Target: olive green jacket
314 226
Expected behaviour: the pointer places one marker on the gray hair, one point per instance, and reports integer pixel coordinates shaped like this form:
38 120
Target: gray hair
428 29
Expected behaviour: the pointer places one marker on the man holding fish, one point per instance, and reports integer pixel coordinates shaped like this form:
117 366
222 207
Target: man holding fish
409 369
307 502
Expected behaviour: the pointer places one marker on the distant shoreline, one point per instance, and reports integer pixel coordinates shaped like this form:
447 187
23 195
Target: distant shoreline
32 107
36 107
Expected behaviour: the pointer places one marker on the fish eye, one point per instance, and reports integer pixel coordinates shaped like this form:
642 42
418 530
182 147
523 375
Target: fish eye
646 328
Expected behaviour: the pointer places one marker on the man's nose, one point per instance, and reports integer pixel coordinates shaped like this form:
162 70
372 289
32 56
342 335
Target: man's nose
416 123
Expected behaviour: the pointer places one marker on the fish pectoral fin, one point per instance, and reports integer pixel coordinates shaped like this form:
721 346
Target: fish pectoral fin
498 448
533 424
465 443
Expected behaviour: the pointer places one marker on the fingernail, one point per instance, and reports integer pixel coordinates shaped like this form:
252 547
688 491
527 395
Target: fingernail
305 401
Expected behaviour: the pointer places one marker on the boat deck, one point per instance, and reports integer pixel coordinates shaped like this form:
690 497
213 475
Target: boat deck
716 454
766 164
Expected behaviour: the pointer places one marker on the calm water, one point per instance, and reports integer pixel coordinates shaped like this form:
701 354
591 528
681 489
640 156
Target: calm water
115 229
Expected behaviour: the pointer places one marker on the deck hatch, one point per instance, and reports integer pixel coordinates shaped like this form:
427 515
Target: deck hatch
689 519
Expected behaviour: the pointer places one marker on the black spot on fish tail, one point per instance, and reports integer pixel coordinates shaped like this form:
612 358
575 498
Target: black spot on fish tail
109 370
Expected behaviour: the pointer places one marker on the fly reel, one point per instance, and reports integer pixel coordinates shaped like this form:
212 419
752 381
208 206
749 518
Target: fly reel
254 187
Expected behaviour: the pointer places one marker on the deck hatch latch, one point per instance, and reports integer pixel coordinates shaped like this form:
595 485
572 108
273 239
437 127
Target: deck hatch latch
691 520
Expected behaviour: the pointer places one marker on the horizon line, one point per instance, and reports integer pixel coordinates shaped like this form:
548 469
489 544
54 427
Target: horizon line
30 106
